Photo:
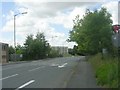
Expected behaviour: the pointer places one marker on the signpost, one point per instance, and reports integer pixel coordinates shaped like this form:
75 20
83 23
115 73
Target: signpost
116 37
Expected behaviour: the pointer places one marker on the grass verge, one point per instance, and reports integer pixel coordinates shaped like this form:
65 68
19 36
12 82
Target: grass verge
106 70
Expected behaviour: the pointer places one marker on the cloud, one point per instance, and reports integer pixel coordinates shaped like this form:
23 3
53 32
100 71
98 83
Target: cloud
50 9
41 15
67 19
112 7
61 0
119 12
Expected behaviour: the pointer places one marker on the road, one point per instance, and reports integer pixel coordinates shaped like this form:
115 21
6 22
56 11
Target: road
53 73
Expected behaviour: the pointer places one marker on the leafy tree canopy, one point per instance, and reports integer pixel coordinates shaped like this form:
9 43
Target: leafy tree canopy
36 48
92 32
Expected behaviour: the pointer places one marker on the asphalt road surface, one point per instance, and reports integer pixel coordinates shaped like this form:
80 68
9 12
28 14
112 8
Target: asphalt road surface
53 73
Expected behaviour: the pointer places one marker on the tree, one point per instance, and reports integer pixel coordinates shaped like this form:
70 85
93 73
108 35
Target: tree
71 51
27 52
93 32
53 53
39 45
11 50
36 48
19 49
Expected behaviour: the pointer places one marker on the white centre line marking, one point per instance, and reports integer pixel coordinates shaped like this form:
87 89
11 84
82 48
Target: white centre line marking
9 77
36 68
25 84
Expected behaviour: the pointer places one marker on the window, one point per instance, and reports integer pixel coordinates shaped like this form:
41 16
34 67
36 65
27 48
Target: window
3 56
3 47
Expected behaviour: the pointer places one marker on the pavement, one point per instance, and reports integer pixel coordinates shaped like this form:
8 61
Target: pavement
83 76
54 73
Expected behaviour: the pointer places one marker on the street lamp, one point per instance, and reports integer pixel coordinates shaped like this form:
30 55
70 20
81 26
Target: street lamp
53 37
15 30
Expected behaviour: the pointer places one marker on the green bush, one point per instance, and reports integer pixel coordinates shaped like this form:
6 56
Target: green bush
53 54
106 70
102 74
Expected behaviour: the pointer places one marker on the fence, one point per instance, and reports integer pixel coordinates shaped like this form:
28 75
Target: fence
16 57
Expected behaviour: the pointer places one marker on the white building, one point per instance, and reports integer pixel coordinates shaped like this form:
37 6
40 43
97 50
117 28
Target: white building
4 53
61 49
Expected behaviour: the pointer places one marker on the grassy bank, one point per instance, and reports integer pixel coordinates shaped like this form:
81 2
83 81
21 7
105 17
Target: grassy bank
106 70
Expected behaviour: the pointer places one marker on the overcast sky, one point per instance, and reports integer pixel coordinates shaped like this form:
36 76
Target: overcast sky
52 18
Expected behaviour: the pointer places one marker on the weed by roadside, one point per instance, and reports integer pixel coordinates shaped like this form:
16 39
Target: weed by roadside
106 70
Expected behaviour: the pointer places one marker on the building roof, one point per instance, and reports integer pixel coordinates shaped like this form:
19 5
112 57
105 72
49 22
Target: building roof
3 43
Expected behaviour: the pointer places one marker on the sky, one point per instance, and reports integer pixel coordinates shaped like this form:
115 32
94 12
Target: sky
53 18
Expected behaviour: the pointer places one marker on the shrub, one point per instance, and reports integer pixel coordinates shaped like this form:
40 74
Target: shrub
106 70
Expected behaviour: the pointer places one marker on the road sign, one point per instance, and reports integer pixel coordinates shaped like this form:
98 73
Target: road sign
116 35
104 51
116 28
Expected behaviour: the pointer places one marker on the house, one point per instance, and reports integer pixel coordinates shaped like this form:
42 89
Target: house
61 49
4 53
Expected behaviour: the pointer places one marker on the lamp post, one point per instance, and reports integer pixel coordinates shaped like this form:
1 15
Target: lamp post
15 30
53 37
64 47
